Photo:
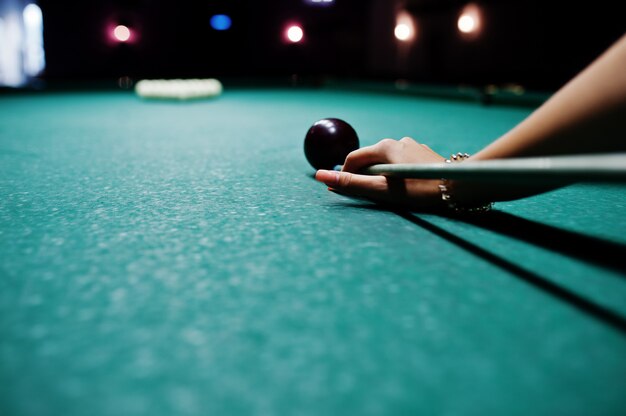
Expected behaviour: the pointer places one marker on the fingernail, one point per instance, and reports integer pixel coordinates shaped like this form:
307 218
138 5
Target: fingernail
329 177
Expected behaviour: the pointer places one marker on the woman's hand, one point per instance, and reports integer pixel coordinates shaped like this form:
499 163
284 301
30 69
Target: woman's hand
409 193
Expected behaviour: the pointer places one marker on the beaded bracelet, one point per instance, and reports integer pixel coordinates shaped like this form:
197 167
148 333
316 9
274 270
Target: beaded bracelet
449 199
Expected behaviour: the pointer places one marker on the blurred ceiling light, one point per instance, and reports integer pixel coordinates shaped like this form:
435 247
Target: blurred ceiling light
294 33
21 43
320 2
470 20
405 27
221 22
121 33
32 15
33 56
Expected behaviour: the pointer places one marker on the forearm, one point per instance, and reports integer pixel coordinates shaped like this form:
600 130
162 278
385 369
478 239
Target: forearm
588 115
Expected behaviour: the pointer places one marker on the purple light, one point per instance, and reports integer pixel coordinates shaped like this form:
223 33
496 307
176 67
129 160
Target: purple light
320 3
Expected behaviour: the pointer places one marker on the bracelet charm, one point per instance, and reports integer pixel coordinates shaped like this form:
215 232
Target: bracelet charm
447 197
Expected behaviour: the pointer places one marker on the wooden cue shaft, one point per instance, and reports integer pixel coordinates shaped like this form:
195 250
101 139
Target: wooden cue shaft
566 169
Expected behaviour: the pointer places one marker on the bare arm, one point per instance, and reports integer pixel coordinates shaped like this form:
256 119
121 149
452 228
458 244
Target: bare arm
587 115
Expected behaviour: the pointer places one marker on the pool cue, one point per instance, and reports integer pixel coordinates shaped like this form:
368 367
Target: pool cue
597 168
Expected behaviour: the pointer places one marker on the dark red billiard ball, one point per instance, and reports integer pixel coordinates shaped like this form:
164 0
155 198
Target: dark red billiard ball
328 142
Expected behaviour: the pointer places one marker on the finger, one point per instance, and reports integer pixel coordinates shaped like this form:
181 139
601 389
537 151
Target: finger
392 191
409 140
369 186
368 155
360 158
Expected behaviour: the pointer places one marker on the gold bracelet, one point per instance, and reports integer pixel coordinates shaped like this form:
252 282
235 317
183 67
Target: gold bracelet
448 199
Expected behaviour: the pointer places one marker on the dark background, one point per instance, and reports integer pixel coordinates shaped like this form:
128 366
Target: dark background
539 44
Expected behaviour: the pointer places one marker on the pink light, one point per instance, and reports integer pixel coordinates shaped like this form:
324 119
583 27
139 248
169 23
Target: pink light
116 33
294 33
121 33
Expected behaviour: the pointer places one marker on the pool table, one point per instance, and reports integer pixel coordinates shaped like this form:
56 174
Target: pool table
177 258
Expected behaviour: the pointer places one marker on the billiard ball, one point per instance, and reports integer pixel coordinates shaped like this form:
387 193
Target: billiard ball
328 142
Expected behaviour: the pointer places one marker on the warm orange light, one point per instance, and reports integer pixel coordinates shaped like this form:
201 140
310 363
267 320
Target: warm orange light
470 20
405 27
467 24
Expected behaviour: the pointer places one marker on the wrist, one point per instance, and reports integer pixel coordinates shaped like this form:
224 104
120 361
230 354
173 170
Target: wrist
457 201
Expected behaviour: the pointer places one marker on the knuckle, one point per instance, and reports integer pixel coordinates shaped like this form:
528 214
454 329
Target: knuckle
344 179
353 160
386 143
350 157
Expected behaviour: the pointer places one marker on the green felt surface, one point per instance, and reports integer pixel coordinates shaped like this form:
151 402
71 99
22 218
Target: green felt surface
166 258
